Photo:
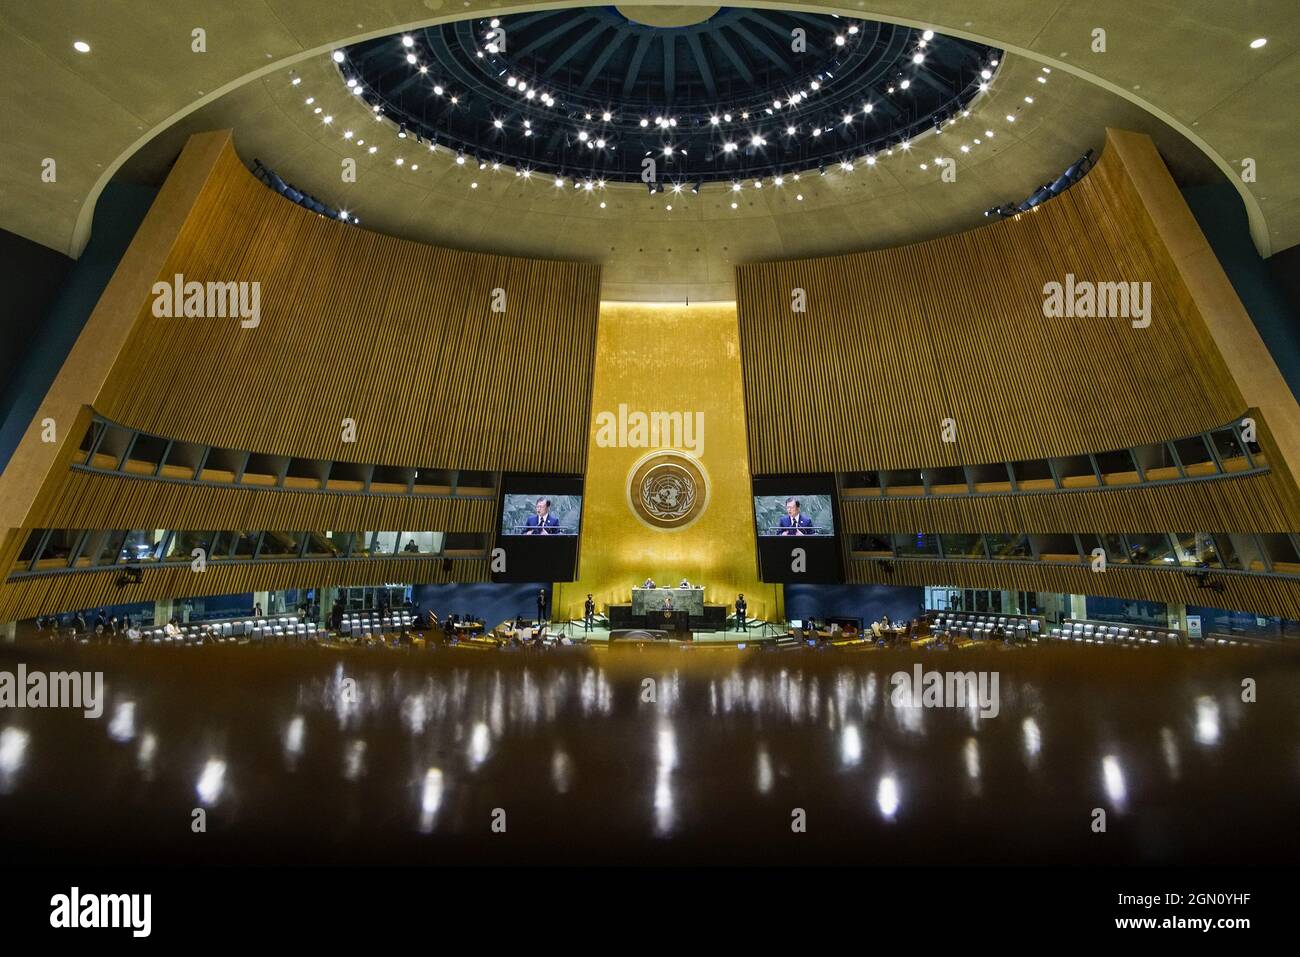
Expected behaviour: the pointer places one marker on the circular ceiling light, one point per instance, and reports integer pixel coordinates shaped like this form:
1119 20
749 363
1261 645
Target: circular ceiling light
81 46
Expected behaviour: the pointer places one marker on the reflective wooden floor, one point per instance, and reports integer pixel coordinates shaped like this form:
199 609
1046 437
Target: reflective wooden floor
303 756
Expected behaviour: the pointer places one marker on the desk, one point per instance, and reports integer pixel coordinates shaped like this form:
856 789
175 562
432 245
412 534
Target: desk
689 600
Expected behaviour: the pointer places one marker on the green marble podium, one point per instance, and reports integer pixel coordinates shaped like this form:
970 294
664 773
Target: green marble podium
645 600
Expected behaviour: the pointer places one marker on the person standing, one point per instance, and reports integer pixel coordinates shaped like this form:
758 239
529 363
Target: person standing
742 622
541 605
588 614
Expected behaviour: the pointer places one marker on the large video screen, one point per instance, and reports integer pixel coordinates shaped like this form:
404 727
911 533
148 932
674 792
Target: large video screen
796 529
793 515
541 521
541 514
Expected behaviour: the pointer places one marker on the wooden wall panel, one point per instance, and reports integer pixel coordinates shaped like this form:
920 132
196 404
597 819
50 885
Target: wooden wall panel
47 594
85 500
396 335
1251 503
1262 595
894 341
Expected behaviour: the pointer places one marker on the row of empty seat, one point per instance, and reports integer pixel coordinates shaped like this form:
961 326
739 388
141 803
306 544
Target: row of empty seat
367 624
986 626
1093 633
284 628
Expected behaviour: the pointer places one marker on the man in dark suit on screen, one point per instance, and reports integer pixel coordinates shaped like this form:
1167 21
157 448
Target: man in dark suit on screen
793 522
542 522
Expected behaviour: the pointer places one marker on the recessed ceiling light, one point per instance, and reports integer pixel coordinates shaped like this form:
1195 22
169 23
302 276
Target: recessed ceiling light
1254 44
81 46
338 56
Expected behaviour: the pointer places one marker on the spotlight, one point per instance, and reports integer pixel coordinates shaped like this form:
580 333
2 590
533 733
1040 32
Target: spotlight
401 132
408 41
338 56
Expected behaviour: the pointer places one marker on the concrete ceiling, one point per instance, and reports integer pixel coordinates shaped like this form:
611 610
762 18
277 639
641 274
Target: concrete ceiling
649 252
1187 62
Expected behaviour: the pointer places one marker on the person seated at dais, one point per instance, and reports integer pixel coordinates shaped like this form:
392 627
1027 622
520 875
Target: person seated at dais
649 583
684 584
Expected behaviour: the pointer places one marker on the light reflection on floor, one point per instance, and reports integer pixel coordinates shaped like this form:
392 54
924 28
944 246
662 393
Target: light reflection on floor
303 755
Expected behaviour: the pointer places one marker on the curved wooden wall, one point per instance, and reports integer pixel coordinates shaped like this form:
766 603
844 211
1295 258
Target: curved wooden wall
85 500
1251 503
396 335
894 341
28 597
400 337
1263 595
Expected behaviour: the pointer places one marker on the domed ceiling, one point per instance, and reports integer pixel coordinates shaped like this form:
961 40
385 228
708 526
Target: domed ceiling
655 94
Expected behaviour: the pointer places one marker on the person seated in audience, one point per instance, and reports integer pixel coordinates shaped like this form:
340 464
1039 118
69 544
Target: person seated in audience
257 610
835 630
411 547
133 635
172 631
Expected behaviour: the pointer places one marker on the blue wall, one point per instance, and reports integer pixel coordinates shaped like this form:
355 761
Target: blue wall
1222 217
118 215
488 602
1224 622
1102 608
868 602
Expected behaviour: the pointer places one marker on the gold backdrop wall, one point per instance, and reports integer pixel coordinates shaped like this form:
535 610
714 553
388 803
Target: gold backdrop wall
654 357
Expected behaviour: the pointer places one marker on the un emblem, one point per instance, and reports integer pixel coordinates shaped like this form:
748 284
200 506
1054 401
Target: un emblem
667 489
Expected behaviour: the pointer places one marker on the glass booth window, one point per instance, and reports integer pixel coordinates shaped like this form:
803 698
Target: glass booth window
421 543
